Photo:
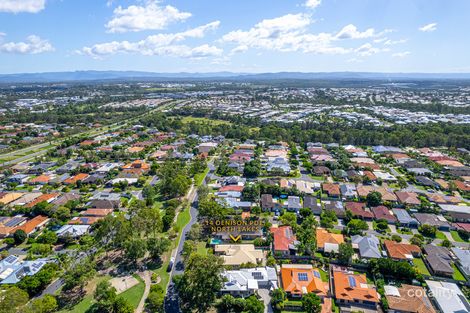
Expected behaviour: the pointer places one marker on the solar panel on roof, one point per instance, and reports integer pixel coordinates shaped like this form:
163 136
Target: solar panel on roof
10 259
257 275
352 281
302 276
316 274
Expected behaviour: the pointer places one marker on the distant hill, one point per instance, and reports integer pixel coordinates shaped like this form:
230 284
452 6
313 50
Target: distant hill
78 76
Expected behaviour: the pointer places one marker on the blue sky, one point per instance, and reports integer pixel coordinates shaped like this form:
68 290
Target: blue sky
235 35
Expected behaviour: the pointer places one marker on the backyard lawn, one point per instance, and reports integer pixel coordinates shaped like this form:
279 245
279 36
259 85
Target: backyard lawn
457 274
419 263
456 236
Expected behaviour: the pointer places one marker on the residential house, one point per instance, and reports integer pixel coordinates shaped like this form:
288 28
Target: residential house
237 255
12 269
348 191
74 231
439 260
368 246
328 242
408 299
358 209
383 213
332 190
353 291
462 260
407 198
432 219
312 203
33 225
448 297
293 204
401 251
284 240
300 279
246 282
404 218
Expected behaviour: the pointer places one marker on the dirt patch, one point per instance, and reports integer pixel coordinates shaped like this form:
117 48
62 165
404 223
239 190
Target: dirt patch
123 283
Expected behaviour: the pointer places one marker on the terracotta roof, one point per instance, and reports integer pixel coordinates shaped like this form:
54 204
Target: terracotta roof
32 225
358 209
40 179
231 188
283 237
302 279
76 178
401 251
45 197
382 212
461 185
412 299
323 236
331 189
387 195
351 287
137 164
135 149
408 198
97 212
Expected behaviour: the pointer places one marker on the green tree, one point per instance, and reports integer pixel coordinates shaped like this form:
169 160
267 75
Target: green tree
428 230
311 303
278 298
253 305
46 304
12 299
135 249
19 236
200 283
374 199
345 252
356 227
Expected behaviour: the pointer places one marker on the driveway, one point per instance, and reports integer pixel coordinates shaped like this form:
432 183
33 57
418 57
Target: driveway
264 294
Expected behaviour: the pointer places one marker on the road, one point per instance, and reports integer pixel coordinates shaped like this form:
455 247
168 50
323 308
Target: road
171 304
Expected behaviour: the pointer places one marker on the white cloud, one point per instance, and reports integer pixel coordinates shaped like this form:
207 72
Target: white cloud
312 4
33 45
367 50
152 16
159 44
401 54
290 33
350 32
18 6
428 28
390 42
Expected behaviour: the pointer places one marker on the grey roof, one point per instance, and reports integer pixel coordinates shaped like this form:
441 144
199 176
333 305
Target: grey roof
463 257
249 279
438 258
368 246
449 297
403 216
431 219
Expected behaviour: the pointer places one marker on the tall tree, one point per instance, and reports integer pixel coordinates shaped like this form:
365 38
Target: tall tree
200 283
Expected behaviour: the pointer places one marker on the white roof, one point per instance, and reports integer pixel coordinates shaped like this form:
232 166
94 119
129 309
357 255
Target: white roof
448 296
391 291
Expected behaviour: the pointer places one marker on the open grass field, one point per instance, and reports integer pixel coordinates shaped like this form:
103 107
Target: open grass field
134 294
189 119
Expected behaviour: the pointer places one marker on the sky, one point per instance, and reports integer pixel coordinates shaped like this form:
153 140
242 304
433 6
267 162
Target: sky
249 36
